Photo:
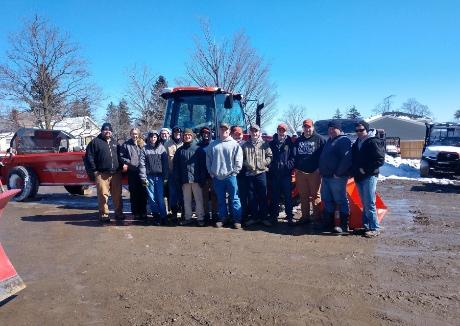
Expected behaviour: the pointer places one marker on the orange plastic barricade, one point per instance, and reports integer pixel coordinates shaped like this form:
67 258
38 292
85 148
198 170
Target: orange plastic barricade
10 282
356 207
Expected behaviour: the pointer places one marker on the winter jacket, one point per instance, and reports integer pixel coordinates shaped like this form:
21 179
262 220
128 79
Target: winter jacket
307 152
335 159
153 161
256 156
171 147
102 156
283 156
224 158
189 164
130 155
369 157
203 147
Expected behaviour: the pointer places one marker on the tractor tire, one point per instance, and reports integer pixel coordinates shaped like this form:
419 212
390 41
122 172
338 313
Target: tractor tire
76 190
25 179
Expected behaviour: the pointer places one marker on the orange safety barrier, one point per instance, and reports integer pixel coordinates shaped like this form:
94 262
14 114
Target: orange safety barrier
356 206
10 281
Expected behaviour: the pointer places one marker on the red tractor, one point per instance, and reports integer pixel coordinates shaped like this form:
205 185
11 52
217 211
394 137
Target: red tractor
43 157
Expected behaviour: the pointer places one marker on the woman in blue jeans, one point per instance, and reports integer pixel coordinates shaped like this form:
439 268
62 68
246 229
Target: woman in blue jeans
153 169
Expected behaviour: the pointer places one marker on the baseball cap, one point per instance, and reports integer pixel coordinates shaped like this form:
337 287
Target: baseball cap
254 126
236 129
308 122
283 126
224 125
175 129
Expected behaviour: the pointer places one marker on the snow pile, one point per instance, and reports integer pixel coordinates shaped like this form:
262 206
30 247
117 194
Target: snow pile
406 169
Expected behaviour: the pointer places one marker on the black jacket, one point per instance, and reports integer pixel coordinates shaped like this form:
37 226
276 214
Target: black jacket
130 155
370 157
335 159
189 164
102 156
153 161
307 152
283 156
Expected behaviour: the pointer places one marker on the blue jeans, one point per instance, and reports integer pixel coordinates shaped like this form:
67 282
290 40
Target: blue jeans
281 185
366 189
155 195
257 194
221 188
334 195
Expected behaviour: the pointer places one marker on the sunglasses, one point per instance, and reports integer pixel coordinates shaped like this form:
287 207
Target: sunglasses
360 130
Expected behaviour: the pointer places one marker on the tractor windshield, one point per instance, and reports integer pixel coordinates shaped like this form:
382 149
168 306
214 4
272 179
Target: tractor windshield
197 111
445 136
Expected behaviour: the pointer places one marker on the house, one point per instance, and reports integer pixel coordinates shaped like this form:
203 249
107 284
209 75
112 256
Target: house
399 126
5 139
82 128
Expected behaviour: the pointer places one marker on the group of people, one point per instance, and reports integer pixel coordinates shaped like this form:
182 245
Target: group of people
235 180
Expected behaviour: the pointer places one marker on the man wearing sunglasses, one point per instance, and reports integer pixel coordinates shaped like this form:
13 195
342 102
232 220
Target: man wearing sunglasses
368 155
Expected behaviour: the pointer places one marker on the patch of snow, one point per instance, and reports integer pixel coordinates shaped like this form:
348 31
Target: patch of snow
406 169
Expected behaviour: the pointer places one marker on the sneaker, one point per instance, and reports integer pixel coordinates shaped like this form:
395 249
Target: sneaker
267 223
371 233
337 230
237 226
219 225
251 222
104 219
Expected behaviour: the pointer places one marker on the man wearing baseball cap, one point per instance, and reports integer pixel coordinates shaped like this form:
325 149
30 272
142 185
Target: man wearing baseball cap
257 156
334 167
103 164
307 150
224 159
280 172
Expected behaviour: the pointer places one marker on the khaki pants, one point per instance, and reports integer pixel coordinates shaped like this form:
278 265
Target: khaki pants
309 186
209 190
188 189
109 183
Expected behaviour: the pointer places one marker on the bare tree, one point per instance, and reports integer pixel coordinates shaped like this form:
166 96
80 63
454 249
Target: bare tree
144 95
294 117
412 106
44 73
385 105
234 65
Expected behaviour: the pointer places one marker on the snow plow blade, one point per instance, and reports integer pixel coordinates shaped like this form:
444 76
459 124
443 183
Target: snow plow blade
10 281
356 207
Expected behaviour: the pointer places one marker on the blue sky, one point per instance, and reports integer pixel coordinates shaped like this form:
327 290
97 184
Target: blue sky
324 55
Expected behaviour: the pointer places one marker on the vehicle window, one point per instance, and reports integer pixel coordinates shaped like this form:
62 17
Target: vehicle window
445 136
233 116
192 112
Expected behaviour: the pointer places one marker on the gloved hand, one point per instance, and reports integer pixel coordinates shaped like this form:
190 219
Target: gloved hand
145 183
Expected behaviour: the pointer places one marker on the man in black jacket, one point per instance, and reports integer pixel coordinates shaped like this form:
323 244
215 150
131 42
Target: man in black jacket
368 155
189 167
280 172
307 149
130 154
334 167
104 164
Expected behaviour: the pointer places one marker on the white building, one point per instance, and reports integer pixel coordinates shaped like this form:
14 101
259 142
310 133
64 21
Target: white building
82 128
5 139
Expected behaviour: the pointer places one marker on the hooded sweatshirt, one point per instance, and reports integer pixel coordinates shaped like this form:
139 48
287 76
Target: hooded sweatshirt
224 158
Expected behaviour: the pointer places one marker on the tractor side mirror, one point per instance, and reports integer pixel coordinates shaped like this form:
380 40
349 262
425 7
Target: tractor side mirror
228 103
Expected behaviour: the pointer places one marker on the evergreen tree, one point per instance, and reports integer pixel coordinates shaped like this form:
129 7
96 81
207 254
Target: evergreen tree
157 103
120 118
337 115
353 113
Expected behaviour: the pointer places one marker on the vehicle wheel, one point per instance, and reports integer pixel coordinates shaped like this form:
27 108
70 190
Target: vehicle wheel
76 190
25 179
425 169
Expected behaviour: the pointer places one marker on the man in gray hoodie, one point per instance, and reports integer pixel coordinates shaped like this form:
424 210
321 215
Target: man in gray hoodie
224 159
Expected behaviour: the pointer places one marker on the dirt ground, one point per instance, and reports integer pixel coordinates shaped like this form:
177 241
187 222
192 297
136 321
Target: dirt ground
79 273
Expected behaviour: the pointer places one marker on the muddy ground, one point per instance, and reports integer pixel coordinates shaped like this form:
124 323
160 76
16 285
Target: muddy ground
78 273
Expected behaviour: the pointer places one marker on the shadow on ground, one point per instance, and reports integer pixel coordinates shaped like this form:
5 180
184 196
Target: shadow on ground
438 188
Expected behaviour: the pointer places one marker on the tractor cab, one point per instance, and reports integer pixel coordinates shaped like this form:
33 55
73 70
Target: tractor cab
198 107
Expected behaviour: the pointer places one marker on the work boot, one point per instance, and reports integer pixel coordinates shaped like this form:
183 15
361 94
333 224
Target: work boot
104 218
344 222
